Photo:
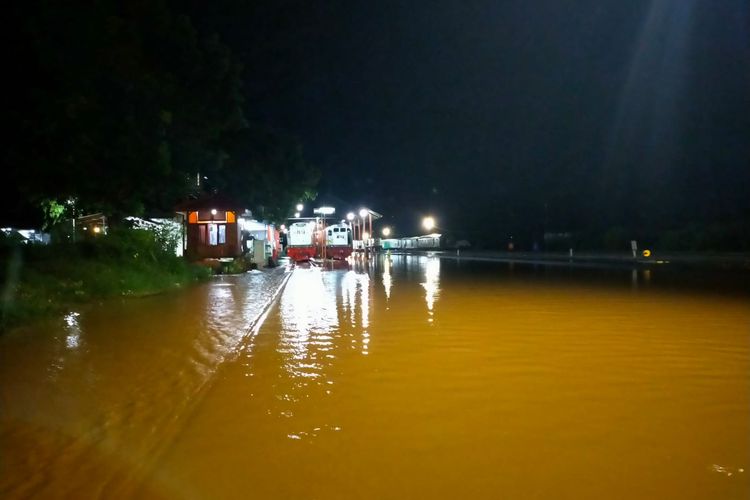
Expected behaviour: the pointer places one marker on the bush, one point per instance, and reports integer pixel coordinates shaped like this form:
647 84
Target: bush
43 279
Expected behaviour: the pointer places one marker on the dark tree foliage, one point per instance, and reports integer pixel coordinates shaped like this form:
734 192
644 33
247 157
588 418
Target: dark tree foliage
270 173
121 105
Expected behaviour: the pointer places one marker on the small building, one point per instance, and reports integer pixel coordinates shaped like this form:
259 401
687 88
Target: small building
261 240
90 225
211 227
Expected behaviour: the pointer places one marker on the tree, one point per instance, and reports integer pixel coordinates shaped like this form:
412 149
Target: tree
119 106
267 171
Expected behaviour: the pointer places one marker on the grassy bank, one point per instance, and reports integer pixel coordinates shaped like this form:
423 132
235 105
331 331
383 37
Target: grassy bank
38 280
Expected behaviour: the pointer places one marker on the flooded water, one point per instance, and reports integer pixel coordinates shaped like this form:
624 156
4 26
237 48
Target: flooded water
413 377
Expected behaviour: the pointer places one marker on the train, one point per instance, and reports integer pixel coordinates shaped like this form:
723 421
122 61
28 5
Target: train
301 244
339 243
304 241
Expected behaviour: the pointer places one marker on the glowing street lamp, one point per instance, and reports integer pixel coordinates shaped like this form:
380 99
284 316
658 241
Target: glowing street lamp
386 231
350 216
300 207
365 236
363 212
296 215
428 223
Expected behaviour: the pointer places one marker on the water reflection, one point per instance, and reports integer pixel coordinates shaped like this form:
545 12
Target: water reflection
638 278
352 284
431 283
73 330
387 280
308 312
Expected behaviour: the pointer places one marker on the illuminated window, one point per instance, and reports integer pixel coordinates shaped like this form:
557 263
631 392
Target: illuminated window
212 234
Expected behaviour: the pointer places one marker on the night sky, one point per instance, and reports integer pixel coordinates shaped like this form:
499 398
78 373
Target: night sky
543 114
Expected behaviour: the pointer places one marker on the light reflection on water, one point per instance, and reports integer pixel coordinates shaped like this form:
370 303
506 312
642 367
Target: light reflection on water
387 280
527 383
431 283
73 329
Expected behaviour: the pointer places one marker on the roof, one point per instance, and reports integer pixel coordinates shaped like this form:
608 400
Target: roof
217 201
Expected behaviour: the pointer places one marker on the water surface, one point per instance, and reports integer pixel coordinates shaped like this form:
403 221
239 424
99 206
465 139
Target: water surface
412 377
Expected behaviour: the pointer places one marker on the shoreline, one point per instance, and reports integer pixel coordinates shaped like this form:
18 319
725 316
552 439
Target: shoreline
692 260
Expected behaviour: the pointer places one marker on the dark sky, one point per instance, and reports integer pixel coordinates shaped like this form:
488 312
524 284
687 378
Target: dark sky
535 112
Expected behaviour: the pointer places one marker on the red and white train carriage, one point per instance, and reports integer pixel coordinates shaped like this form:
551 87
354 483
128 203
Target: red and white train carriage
301 245
338 241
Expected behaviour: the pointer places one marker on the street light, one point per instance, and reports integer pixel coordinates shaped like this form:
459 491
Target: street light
365 236
296 215
300 207
428 223
350 216
363 212
386 231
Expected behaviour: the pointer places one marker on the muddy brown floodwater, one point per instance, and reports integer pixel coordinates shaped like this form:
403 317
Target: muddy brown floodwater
413 377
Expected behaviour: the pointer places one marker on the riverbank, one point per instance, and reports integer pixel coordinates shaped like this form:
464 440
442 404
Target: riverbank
727 261
40 281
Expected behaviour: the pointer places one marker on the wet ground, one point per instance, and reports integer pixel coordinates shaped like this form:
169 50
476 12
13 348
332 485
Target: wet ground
412 377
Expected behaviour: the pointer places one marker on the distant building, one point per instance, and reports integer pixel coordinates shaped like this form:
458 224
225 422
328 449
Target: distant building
260 239
211 227
28 236
156 224
90 225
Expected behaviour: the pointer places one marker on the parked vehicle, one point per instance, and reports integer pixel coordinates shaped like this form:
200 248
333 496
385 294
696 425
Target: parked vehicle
338 241
301 241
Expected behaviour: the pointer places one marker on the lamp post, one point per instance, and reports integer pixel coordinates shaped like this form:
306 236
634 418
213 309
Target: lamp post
363 229
365 214
324 211
350 218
